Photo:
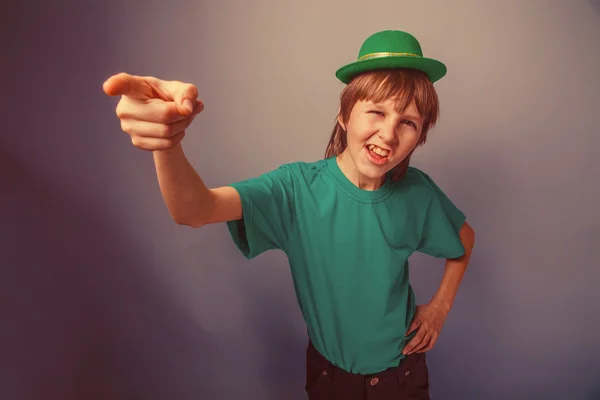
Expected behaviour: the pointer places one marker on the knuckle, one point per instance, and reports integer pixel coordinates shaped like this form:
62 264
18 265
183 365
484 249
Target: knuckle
126 126
136 141
164 131
166 114
152 80
164 144
120 110
176 139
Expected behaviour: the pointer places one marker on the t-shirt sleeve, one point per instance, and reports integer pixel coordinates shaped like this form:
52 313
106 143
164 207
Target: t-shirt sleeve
268 213
440 234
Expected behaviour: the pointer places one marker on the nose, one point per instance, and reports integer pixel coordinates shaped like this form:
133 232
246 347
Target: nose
387 133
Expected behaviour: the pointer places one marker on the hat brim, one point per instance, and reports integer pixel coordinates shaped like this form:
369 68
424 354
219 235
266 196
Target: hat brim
434 69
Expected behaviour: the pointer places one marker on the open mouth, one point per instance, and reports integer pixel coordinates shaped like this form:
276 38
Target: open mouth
377 154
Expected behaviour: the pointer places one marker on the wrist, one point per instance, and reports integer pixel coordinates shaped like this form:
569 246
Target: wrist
170 156
441 304
169 151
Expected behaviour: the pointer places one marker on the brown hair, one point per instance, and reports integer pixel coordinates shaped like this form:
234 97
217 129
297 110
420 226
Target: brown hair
404 85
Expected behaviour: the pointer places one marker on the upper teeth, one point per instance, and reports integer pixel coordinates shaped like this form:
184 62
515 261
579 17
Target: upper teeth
378 150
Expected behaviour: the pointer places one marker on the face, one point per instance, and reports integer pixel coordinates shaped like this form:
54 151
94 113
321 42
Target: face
378 139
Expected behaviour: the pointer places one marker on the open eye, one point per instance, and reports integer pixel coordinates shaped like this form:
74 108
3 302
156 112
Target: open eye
410 123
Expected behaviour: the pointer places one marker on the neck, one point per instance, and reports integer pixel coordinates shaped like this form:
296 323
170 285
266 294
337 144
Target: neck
349 169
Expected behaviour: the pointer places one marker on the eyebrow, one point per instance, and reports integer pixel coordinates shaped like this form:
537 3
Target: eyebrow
413 117
380 106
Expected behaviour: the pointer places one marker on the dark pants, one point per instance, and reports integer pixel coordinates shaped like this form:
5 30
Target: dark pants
324 381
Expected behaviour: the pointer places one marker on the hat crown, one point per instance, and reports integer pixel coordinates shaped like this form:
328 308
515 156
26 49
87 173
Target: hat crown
391 42
391 49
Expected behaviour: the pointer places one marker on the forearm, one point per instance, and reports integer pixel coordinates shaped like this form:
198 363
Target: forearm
454 272
187 197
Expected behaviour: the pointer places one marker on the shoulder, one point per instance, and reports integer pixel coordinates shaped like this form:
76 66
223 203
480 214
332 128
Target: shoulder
304 170
418 176
421 187
432 194
416 181
306 166
286 176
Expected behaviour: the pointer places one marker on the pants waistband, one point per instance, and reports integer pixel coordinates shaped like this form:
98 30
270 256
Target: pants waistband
330 369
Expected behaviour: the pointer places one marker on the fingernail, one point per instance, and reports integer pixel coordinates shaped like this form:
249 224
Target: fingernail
188 105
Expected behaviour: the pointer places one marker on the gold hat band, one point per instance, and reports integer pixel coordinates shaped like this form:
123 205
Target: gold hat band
386 54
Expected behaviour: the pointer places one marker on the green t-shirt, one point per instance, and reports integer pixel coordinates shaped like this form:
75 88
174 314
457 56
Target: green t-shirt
348 251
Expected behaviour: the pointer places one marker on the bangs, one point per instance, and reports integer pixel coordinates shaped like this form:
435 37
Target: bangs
401 85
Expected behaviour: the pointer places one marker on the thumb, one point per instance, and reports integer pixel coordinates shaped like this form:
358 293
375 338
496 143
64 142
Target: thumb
185 96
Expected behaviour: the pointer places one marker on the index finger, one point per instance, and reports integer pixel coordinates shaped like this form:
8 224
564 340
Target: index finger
124 84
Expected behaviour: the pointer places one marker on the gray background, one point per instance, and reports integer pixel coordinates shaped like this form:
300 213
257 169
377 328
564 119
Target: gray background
102 296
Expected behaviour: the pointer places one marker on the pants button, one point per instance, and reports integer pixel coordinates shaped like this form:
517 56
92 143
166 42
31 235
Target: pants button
407 373
374 381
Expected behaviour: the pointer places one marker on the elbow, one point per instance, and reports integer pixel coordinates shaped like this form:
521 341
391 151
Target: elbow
180 220
195 224
194 216
191 224
193 220
187 221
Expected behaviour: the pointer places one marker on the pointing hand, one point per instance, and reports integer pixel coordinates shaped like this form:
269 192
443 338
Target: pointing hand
155 113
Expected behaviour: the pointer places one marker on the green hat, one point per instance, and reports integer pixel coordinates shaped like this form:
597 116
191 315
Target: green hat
391 49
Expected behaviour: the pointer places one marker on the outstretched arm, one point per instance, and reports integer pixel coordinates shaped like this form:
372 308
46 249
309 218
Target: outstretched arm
156 113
